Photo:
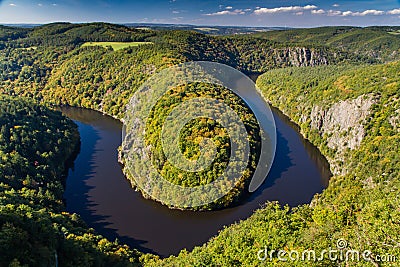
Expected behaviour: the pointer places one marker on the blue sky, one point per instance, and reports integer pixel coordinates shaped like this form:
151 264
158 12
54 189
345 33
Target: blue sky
290 13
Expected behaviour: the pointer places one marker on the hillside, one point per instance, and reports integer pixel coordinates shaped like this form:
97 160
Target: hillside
321 78
361 205
378 42
35 142
191 136
49 63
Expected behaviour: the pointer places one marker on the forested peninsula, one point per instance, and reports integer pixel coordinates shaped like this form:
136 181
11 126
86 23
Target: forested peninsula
340 85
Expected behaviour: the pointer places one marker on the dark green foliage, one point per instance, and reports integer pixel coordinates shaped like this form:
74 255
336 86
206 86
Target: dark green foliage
199 128
47 64
249 54
34 145
33 142
12 33
67 34
375 42
361 206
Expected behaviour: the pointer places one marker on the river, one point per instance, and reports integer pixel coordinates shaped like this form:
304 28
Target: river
98 191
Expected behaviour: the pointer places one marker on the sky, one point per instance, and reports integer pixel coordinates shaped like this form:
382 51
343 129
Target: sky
287 13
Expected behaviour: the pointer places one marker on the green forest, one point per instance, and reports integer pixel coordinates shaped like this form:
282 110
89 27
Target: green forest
35 142
48 66
203 127
361 206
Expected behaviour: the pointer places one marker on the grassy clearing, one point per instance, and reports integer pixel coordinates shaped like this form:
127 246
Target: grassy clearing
206 29
115 45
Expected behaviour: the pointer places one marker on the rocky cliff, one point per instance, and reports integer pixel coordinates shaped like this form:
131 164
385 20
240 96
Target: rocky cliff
301 57
395 119
342 124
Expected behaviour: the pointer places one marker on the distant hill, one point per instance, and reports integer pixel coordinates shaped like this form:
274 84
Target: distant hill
212 30
381 42
324 79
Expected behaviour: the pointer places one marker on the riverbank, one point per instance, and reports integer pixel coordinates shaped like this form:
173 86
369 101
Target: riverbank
36 144
360 206
113 208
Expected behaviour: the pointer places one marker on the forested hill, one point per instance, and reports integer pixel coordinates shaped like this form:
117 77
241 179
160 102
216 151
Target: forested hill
34 229
360 205
68 34
50 64
376 42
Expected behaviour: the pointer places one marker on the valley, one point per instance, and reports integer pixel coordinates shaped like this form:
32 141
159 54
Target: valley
328 81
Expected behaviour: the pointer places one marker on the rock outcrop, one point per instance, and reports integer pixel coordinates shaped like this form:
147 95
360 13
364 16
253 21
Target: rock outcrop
395 120
301 57
343 123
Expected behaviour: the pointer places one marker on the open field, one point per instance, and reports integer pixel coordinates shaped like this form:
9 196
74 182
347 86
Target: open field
205 29
116 45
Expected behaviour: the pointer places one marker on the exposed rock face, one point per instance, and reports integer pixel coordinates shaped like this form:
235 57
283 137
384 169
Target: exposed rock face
343 125
301 57
343 122
395 120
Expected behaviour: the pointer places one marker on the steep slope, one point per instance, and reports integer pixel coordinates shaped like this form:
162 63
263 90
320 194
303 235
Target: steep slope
35 142
104 80
360 207
361 203
377 42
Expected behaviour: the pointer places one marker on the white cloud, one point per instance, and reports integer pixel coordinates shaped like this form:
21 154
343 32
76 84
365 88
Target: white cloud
348 13
227 12
175 12
54 4
394 11
334 13
12 4
309 7
40 4
335 5
264 10
364 13
318 12
300 10
372 12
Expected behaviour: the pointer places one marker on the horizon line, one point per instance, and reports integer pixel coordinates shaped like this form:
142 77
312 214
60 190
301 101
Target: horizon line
192 25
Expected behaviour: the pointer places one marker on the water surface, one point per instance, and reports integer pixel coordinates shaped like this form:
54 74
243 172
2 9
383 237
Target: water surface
97 190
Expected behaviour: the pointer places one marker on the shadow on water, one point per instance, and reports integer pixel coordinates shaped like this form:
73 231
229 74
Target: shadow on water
97 190
84 169
281 157
313 152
